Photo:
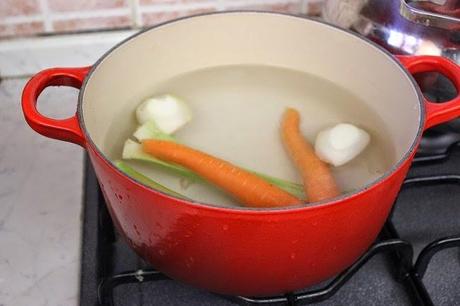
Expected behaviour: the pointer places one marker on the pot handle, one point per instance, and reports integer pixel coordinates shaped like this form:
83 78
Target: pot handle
436 113
62 129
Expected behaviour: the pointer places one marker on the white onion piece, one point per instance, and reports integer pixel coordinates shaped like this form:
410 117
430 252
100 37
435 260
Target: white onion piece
169 112
132 149
150 130
340 144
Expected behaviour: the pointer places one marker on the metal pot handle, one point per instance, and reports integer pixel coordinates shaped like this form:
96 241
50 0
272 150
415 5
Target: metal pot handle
436 113
427 18
64 129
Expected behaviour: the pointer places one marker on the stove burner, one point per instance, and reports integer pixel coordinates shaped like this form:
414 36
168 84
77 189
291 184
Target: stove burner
391 245
112 274
400 251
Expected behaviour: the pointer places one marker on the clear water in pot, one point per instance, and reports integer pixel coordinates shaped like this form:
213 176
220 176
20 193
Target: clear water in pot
236 116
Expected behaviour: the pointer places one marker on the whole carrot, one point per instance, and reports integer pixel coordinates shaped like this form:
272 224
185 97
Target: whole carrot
317 178
249 189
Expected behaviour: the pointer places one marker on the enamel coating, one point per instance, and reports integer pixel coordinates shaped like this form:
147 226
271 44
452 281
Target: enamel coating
243 252
237 251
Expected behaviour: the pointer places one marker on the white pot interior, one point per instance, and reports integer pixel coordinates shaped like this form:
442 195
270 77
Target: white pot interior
239 71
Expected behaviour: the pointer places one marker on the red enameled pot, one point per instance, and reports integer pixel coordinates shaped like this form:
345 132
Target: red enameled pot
242 251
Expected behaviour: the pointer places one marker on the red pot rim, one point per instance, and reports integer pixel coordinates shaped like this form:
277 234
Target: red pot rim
261 211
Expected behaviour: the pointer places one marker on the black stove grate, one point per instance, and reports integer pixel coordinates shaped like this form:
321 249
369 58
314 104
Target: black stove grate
415 260
391 245
102 274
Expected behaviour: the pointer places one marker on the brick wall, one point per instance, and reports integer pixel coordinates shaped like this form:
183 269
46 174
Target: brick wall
32 17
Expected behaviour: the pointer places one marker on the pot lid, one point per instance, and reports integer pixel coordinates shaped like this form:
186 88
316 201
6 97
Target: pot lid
443 14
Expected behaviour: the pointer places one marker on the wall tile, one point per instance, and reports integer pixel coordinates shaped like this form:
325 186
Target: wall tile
21 29
314 7
83 15
10 8
153 18
96 23
281 6
148 19
84 5
153 2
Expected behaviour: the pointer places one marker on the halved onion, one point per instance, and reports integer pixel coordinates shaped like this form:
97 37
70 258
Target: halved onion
341 143
169 112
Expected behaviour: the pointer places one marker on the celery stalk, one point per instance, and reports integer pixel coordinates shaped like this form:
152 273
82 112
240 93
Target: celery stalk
293 188
146 180
133 150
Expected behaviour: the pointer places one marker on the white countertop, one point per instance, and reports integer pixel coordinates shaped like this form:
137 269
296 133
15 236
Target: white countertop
41 178
40 204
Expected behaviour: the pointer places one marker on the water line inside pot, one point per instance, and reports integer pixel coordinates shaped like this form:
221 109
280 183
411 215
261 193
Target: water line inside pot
237 110
148 62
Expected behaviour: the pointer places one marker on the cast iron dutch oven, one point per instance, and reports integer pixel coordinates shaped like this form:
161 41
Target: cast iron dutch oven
243 251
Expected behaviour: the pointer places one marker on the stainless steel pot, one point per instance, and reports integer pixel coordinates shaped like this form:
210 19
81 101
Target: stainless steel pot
430 27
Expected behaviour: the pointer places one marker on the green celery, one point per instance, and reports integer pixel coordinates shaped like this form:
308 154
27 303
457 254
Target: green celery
146 180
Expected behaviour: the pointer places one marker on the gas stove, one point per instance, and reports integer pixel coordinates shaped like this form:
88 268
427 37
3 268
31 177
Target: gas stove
414 261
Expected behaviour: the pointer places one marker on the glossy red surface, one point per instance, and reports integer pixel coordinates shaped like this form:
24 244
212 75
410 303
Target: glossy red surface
436 113
66 129
241 251
237 251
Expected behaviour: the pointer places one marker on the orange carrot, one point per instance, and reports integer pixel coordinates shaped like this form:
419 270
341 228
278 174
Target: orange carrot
246 187
319 184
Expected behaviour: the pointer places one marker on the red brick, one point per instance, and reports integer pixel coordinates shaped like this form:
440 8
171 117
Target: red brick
153 2
12 8
314 8
21 29
158 17
76 25
84 5
281 7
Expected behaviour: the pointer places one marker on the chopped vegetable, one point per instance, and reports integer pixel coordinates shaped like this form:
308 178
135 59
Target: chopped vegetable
169 112
149 130
133 150
293 188
318 181
247 188
341 143
146 180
